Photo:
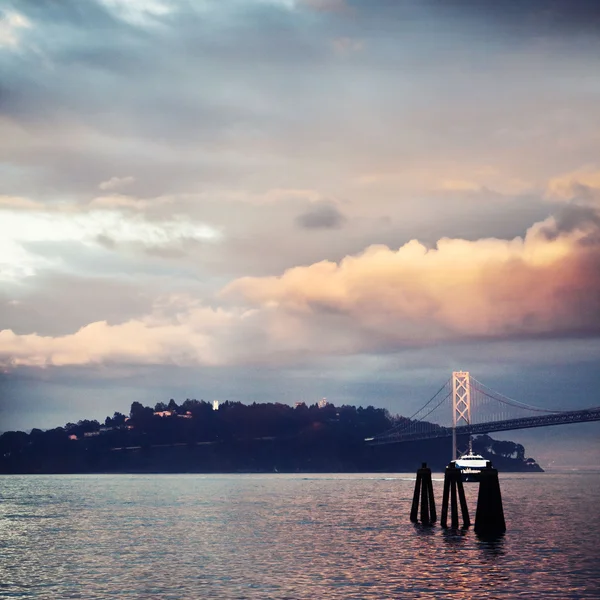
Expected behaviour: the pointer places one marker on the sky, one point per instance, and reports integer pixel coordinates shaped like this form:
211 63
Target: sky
284 200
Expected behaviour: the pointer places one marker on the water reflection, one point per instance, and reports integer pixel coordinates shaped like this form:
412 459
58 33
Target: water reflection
455 537
424 530
492 545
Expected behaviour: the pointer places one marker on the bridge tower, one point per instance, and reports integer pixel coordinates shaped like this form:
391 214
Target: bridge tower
461 404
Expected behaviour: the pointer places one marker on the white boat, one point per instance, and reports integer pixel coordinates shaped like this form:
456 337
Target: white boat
470 465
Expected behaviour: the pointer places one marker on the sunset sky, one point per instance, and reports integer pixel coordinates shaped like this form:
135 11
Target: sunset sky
284 200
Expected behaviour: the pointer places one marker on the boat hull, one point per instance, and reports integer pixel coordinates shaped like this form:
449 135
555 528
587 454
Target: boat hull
470 475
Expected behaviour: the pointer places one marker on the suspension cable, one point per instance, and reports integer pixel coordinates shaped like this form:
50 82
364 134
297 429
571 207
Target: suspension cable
421 420
429 401
498 397
436 406
409 421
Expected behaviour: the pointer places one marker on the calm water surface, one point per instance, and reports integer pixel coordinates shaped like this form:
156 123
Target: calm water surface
289 536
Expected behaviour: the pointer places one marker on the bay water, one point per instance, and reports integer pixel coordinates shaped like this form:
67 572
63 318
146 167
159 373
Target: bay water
289 536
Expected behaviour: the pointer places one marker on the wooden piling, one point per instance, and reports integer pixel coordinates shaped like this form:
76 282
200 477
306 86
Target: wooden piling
489 516
453 487
453 507
463 503
415 503
432 500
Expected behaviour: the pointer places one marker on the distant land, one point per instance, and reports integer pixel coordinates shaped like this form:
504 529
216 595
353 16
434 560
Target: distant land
199 437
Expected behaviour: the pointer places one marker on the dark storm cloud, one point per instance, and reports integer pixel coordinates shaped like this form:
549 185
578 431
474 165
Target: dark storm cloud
322 215
516 16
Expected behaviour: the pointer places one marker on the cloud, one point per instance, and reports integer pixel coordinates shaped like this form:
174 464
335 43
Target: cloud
378 301
459 185
136 341
578 186
139 12
460 289
54 303
298 118
120 201
325 5
575 217
321 215
445 176
276 195
345 46
19 203
21 230
206 94
116 182
579 195
11 22
565 16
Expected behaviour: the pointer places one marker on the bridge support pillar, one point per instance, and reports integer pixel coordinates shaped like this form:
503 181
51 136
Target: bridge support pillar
461 404
452 485
424 489
489 516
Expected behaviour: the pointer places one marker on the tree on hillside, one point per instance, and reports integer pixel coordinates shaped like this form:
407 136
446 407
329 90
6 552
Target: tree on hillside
139 413
118 419
136 410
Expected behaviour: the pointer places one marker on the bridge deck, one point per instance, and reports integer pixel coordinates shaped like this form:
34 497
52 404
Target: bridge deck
562 418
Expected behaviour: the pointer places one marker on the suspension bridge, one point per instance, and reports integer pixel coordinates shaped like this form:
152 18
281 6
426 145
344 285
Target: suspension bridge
464 406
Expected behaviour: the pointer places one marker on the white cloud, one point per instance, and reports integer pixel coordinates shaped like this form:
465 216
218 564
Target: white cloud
144 341
10 25
18 228
139 12
116 182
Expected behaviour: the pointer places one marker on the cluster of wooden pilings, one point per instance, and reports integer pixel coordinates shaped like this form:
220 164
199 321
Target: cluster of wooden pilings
424 489
489 515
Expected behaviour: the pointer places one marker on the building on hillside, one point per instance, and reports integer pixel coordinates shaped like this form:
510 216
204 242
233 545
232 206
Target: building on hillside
163 413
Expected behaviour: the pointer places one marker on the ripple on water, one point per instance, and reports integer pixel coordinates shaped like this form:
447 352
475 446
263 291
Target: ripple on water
285 536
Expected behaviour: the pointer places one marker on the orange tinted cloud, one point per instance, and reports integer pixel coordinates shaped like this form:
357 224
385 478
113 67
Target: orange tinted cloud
582 185
546 284
487 287
153 339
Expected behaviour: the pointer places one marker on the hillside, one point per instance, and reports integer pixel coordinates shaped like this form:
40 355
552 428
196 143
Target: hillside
235 438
